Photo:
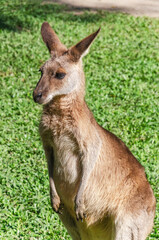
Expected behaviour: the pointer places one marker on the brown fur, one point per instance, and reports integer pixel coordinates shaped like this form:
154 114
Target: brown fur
93 175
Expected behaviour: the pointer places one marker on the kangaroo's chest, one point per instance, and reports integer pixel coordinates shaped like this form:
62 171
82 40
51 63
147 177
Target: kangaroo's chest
67 167
66 159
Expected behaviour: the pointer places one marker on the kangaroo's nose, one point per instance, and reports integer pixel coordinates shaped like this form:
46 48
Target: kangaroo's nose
37 96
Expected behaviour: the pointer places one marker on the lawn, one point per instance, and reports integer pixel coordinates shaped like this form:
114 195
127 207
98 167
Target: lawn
122 73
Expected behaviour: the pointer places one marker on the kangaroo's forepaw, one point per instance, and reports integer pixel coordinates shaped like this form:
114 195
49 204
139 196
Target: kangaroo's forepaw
56 204
80 210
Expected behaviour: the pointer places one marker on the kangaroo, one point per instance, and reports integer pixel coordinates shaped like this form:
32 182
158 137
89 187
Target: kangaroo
97 186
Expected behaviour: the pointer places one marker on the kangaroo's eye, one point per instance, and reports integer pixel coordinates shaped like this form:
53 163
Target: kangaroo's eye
60 75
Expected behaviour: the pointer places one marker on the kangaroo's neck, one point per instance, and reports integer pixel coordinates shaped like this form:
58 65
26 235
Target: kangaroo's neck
64 116
65 104
64 110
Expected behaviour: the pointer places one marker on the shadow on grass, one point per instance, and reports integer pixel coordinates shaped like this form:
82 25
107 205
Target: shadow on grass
25 15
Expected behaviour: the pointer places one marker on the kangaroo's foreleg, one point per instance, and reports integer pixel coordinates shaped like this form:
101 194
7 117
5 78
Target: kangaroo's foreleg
55 200
90 154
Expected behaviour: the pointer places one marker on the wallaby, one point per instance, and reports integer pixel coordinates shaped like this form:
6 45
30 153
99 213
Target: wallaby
97 186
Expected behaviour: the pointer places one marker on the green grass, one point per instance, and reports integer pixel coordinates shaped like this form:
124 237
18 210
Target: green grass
122 72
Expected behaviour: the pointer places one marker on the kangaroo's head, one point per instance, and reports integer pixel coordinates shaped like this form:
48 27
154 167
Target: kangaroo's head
62 74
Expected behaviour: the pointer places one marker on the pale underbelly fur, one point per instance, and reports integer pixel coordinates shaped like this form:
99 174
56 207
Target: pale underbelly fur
67 172
66 169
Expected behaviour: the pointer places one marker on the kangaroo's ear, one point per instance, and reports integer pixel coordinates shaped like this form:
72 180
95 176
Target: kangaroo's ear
51 40
81 48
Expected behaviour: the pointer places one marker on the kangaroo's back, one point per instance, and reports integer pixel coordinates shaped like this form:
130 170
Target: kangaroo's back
96 183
